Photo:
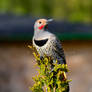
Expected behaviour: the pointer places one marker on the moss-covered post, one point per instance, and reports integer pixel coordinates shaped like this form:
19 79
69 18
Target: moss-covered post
50 79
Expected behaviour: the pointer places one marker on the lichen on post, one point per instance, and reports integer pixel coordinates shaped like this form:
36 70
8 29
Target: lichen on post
50 79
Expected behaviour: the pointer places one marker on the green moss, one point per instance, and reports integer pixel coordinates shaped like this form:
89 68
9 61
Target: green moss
50 79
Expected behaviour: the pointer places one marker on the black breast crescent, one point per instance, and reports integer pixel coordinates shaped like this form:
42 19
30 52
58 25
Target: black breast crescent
40 42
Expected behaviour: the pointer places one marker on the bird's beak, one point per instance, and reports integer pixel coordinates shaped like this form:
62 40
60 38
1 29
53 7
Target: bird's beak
49 20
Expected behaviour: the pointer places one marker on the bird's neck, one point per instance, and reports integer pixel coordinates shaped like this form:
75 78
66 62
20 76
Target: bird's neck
41 34
38 31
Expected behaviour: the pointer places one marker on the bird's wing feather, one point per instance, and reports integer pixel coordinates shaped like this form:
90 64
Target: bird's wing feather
59 50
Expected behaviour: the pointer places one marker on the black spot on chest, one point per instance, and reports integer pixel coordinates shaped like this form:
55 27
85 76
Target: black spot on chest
40 42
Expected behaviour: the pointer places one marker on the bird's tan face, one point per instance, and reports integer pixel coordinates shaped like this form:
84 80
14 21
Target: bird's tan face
41 23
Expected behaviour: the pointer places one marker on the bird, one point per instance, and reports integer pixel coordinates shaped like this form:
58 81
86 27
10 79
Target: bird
46 43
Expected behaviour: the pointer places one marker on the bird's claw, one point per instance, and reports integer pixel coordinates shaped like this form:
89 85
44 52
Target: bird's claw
41 58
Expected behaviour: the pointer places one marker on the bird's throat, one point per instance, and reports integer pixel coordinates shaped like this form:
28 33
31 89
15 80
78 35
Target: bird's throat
40 42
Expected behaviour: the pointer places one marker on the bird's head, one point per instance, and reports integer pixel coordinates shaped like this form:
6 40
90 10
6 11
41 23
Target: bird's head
41 24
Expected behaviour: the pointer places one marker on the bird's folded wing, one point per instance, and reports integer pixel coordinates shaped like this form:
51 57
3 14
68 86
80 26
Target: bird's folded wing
59 50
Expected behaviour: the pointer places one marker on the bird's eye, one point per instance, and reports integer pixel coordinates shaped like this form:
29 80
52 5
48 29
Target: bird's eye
40 22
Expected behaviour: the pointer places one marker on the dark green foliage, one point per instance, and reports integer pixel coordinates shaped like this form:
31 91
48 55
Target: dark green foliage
72 10
50 79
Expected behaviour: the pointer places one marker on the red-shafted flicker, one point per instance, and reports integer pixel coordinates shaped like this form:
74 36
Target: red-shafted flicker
46 43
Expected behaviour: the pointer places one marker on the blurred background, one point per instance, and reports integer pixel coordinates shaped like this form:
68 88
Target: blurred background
72 25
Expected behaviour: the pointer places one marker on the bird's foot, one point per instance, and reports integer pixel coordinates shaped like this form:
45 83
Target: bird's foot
41 58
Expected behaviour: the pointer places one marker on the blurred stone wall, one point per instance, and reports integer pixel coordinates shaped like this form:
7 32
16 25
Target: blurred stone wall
17 66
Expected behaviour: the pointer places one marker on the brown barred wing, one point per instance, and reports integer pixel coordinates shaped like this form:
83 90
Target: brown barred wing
58 49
